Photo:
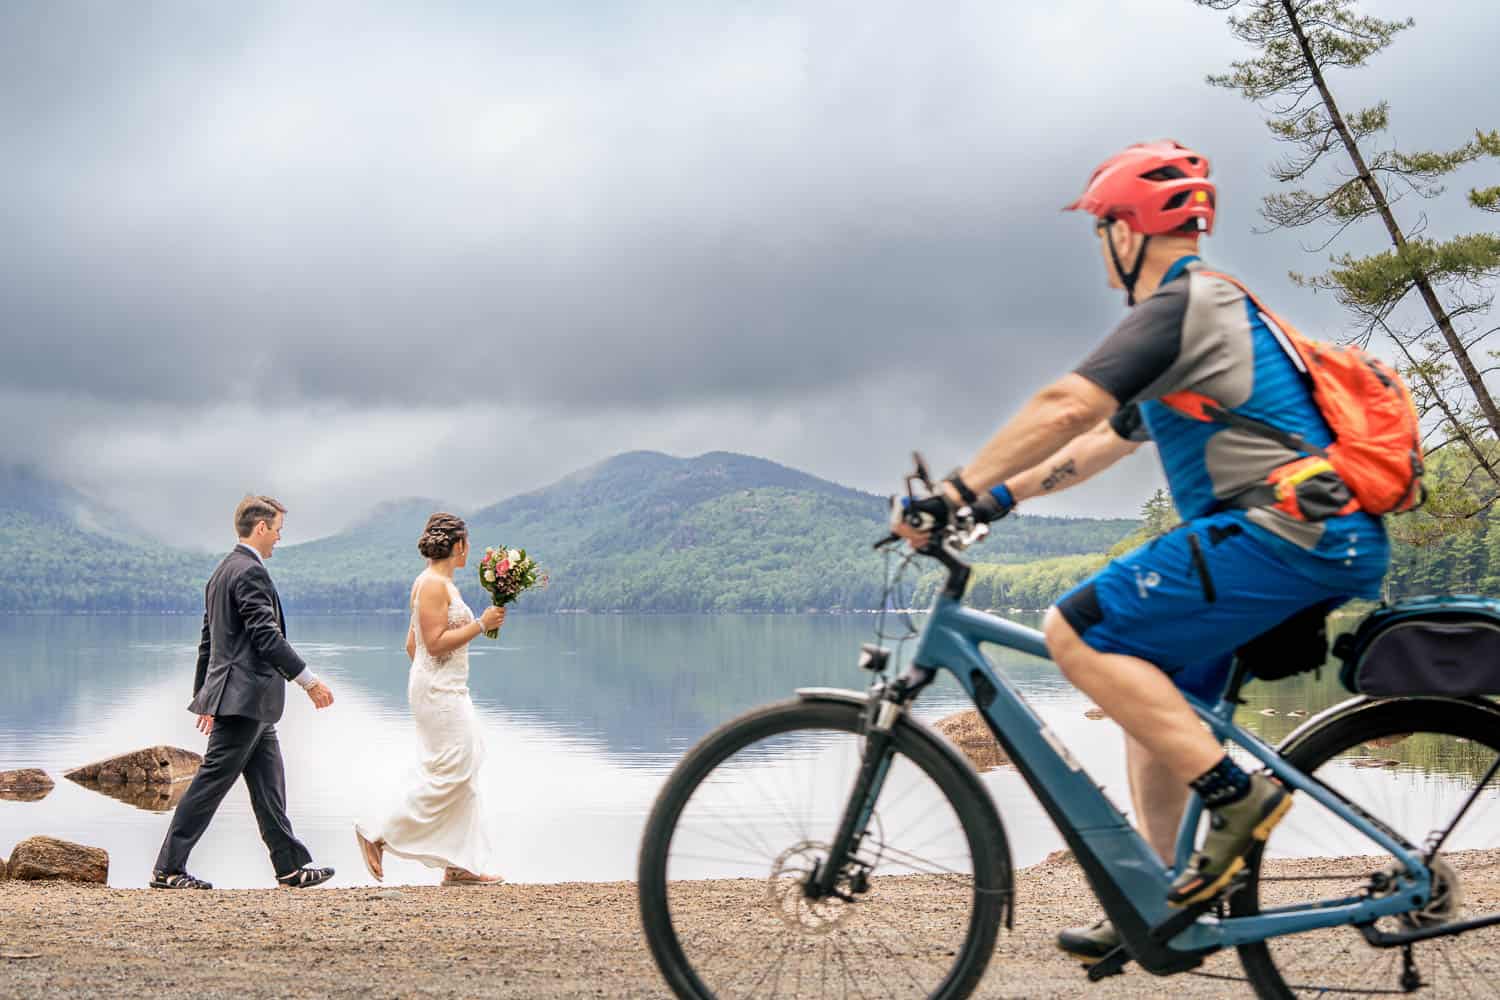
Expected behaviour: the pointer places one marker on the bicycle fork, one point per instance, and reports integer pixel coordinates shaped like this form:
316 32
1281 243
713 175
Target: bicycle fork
886 706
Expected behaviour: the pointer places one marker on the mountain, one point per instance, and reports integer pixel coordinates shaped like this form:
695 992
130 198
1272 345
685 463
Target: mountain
61 551
641 531
645 531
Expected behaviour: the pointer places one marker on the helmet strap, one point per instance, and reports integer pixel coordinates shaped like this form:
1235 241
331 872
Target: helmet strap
1128 278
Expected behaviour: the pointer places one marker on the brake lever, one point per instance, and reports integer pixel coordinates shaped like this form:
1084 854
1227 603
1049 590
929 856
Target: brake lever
973 535
920 470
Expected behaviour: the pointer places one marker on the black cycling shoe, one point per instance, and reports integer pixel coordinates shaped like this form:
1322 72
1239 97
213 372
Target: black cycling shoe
177 880
1089 944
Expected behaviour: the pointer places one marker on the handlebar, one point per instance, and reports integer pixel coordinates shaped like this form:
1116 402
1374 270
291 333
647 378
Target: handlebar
946 541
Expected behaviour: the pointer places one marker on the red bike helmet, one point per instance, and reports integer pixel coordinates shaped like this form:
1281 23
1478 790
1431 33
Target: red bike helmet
1155 188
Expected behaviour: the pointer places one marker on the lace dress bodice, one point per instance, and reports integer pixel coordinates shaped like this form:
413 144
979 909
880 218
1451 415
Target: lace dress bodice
459 615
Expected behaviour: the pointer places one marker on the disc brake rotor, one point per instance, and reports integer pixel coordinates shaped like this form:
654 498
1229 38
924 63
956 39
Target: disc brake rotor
1446 900
785 893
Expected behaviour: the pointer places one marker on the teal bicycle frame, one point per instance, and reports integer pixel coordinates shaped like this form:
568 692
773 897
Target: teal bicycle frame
1127 876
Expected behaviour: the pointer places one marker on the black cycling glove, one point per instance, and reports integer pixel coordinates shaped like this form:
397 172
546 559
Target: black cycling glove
930 513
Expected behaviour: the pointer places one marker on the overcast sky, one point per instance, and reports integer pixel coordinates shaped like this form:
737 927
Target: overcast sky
344 252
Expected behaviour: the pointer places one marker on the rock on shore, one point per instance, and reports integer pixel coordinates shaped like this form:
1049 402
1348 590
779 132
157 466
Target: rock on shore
152 766
971 734
47 857
25 785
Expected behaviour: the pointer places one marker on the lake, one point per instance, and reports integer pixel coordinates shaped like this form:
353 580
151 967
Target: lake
584 716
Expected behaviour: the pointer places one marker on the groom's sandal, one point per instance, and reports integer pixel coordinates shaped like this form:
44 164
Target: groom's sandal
177 880
304 878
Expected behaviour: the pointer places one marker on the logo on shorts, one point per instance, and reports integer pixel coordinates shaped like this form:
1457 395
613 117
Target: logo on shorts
1145 581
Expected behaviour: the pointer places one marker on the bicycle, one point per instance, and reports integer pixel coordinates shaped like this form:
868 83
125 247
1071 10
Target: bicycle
848 906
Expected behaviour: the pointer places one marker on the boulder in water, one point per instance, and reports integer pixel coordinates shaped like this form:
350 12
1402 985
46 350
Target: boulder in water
152 798
25 785
47 857
971 734
152 766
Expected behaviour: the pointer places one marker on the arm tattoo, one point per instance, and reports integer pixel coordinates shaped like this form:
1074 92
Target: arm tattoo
1060 474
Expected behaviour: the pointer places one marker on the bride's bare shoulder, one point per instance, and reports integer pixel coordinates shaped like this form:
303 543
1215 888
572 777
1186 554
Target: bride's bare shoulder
430 589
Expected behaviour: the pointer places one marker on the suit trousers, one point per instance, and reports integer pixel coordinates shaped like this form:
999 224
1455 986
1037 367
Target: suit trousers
237 745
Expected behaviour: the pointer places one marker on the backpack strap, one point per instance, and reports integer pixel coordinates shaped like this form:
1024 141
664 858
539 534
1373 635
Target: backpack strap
1201 407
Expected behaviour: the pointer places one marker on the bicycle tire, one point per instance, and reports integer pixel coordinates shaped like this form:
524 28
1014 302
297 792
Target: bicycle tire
1377 722
955 778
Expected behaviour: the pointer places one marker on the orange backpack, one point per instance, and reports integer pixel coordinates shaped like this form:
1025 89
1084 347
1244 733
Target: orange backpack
1377 444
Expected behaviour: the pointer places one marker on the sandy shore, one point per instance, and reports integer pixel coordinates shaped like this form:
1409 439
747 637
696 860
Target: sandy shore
524 941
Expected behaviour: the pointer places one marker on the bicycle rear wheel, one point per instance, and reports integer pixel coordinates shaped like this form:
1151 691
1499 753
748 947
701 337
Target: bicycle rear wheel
1411 763
747 816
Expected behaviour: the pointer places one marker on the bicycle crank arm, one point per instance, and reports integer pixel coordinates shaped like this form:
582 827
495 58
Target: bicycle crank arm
1112 964
1383 939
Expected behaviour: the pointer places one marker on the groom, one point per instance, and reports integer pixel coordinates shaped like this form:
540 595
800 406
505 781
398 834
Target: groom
239 689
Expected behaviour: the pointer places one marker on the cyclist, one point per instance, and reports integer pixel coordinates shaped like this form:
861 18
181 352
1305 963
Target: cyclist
1166 618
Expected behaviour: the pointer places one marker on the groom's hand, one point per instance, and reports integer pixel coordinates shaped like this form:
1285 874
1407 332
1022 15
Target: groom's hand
205 724
320 695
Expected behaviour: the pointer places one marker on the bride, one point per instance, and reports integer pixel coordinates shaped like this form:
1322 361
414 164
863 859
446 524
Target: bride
441 820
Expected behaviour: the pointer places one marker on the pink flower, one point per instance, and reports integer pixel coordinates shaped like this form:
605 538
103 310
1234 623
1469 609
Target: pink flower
503 568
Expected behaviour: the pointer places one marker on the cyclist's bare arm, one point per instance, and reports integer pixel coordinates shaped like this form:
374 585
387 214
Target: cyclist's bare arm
1051 419
1080 459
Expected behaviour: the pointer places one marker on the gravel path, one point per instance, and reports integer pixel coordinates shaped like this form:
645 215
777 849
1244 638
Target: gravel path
524 941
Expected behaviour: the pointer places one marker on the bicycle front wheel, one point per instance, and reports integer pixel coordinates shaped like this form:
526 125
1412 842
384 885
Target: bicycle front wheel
1413 764
746 819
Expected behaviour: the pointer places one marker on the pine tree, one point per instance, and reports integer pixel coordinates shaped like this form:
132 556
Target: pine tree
1490 582
1297 43
1465 561
1158 516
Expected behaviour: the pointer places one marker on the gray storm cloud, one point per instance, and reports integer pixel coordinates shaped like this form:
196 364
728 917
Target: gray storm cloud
821 233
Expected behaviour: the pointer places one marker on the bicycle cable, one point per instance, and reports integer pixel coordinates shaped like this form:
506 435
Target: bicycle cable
892 601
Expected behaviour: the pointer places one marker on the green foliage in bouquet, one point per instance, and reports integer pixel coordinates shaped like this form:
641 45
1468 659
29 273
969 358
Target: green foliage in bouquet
506 574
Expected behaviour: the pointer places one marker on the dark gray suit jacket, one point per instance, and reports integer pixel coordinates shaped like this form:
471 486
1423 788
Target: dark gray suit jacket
244 660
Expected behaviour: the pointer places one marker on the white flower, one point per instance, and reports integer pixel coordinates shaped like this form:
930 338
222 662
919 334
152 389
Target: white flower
489 576
514 555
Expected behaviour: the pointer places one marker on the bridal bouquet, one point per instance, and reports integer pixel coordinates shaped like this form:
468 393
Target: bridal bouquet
507 574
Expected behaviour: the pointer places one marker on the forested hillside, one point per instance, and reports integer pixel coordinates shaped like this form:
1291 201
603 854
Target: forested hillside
639 532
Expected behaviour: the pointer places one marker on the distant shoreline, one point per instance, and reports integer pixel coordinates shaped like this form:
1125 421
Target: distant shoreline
1348 610
293 612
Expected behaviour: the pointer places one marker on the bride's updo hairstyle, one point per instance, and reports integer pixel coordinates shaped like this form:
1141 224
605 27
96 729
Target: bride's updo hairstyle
442 533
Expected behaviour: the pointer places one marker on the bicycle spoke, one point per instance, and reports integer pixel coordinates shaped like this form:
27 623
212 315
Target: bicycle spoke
752 937
1428 782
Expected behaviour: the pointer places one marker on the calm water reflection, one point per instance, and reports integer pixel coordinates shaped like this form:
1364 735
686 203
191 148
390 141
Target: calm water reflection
584 716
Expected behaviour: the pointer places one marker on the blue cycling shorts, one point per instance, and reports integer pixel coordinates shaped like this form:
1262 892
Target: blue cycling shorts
1186 600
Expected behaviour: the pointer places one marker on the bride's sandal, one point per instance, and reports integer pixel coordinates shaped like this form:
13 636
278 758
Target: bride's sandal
373 856
461 876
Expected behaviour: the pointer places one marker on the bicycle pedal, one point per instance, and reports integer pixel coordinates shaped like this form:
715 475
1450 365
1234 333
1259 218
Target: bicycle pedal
1112 964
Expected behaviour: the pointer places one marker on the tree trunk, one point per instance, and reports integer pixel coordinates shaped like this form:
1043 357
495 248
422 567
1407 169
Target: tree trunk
1442 404
1398 238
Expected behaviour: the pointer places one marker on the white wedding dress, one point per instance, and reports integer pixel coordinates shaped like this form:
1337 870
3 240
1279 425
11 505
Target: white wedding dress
441 819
